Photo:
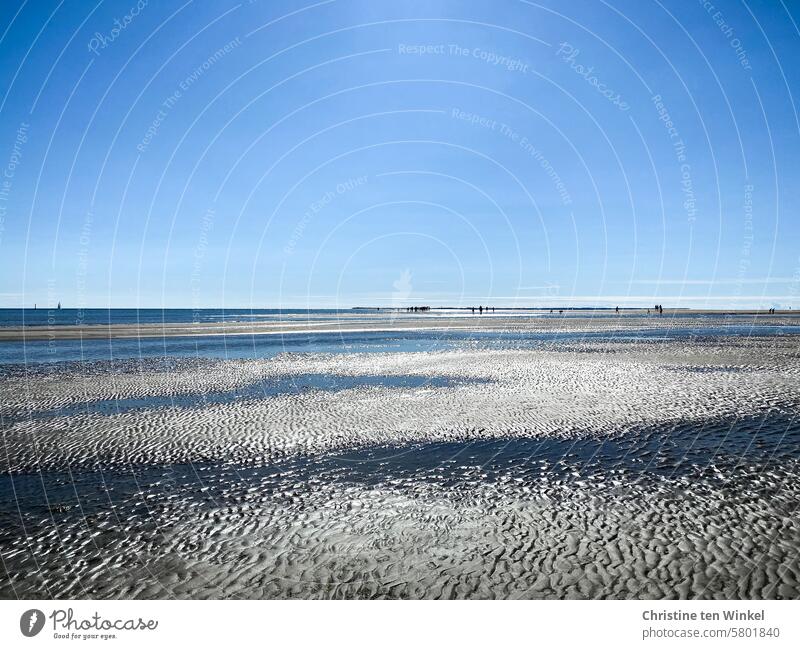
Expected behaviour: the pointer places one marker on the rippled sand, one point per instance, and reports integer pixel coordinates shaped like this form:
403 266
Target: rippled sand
245 489
584 321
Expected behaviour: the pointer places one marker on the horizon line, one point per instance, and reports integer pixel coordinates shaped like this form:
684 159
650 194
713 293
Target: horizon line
385 308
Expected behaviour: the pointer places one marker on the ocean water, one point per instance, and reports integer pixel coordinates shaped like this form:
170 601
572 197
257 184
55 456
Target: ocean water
258 390
679 325
269 346
43 317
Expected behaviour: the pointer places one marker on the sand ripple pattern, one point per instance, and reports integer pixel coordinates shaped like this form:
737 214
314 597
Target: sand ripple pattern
289 495
588 389
588 539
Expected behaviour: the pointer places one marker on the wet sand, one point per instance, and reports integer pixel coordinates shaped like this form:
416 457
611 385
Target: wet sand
356 322
617 468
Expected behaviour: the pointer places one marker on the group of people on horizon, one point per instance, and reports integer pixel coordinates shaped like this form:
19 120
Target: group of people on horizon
481 309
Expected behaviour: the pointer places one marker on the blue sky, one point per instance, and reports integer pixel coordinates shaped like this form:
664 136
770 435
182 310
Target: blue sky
342 153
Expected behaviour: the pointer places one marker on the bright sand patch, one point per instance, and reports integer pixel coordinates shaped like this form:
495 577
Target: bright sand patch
583 389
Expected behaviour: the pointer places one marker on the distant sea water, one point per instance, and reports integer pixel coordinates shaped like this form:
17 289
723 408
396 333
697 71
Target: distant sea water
16 353
42 317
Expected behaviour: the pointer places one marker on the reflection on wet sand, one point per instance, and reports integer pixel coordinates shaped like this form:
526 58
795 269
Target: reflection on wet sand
584 467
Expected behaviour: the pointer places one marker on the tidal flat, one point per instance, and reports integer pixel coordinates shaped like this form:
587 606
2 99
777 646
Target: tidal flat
632 462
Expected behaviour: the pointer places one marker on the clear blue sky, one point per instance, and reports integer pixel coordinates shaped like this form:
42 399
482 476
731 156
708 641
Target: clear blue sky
378 153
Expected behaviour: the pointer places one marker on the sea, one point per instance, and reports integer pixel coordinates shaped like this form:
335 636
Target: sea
55 350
